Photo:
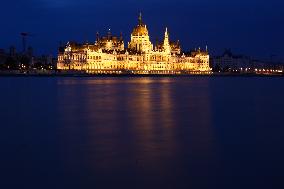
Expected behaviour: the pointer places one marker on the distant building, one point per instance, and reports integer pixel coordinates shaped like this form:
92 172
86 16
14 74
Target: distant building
22 61
12 51
229 61
109 55
30 52
3 56
45 60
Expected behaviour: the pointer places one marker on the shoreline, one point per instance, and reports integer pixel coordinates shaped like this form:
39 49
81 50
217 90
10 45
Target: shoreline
80 74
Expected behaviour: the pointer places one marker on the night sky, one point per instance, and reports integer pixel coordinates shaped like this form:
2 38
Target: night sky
251 27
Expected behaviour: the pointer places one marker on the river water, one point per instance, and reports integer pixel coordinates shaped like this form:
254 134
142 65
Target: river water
161 132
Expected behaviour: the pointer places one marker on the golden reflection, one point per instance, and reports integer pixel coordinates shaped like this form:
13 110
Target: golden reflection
108 81
134 121
153 123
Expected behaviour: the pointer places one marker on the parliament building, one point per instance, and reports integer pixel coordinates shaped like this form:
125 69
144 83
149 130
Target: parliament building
108 55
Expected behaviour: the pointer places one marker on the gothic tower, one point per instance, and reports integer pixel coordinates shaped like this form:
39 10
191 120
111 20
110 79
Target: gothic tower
166 45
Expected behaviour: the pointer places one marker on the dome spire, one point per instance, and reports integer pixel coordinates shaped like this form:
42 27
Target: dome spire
140 19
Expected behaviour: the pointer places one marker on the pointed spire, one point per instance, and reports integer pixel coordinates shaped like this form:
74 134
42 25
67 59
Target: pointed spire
109 34
121 36
140 19
157 41
167 47
167 35
98 36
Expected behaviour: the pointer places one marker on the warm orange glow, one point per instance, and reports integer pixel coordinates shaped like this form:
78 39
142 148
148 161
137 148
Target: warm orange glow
108 56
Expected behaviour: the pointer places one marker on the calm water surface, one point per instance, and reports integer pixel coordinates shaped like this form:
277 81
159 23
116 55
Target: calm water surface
195 132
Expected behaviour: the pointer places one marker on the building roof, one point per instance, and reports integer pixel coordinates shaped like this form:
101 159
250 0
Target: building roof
140 29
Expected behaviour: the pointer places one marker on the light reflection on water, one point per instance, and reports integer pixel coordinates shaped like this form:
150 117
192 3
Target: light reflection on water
194 132
137 123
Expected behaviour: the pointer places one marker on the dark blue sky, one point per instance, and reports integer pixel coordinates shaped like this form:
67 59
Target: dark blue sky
252 27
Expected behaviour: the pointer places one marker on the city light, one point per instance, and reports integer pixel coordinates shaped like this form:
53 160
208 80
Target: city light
109 56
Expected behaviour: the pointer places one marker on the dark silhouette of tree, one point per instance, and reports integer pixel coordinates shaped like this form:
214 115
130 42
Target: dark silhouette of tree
2 66
38 65
217 68
11 64
25 61
227 69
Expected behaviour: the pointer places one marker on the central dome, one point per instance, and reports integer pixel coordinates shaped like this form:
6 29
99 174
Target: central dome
140 29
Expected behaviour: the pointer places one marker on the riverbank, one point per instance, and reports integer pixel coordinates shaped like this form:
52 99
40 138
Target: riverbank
56 73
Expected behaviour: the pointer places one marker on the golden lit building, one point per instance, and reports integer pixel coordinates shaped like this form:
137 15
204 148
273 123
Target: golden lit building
108 55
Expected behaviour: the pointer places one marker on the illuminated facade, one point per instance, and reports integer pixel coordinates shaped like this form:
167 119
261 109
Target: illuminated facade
109 55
